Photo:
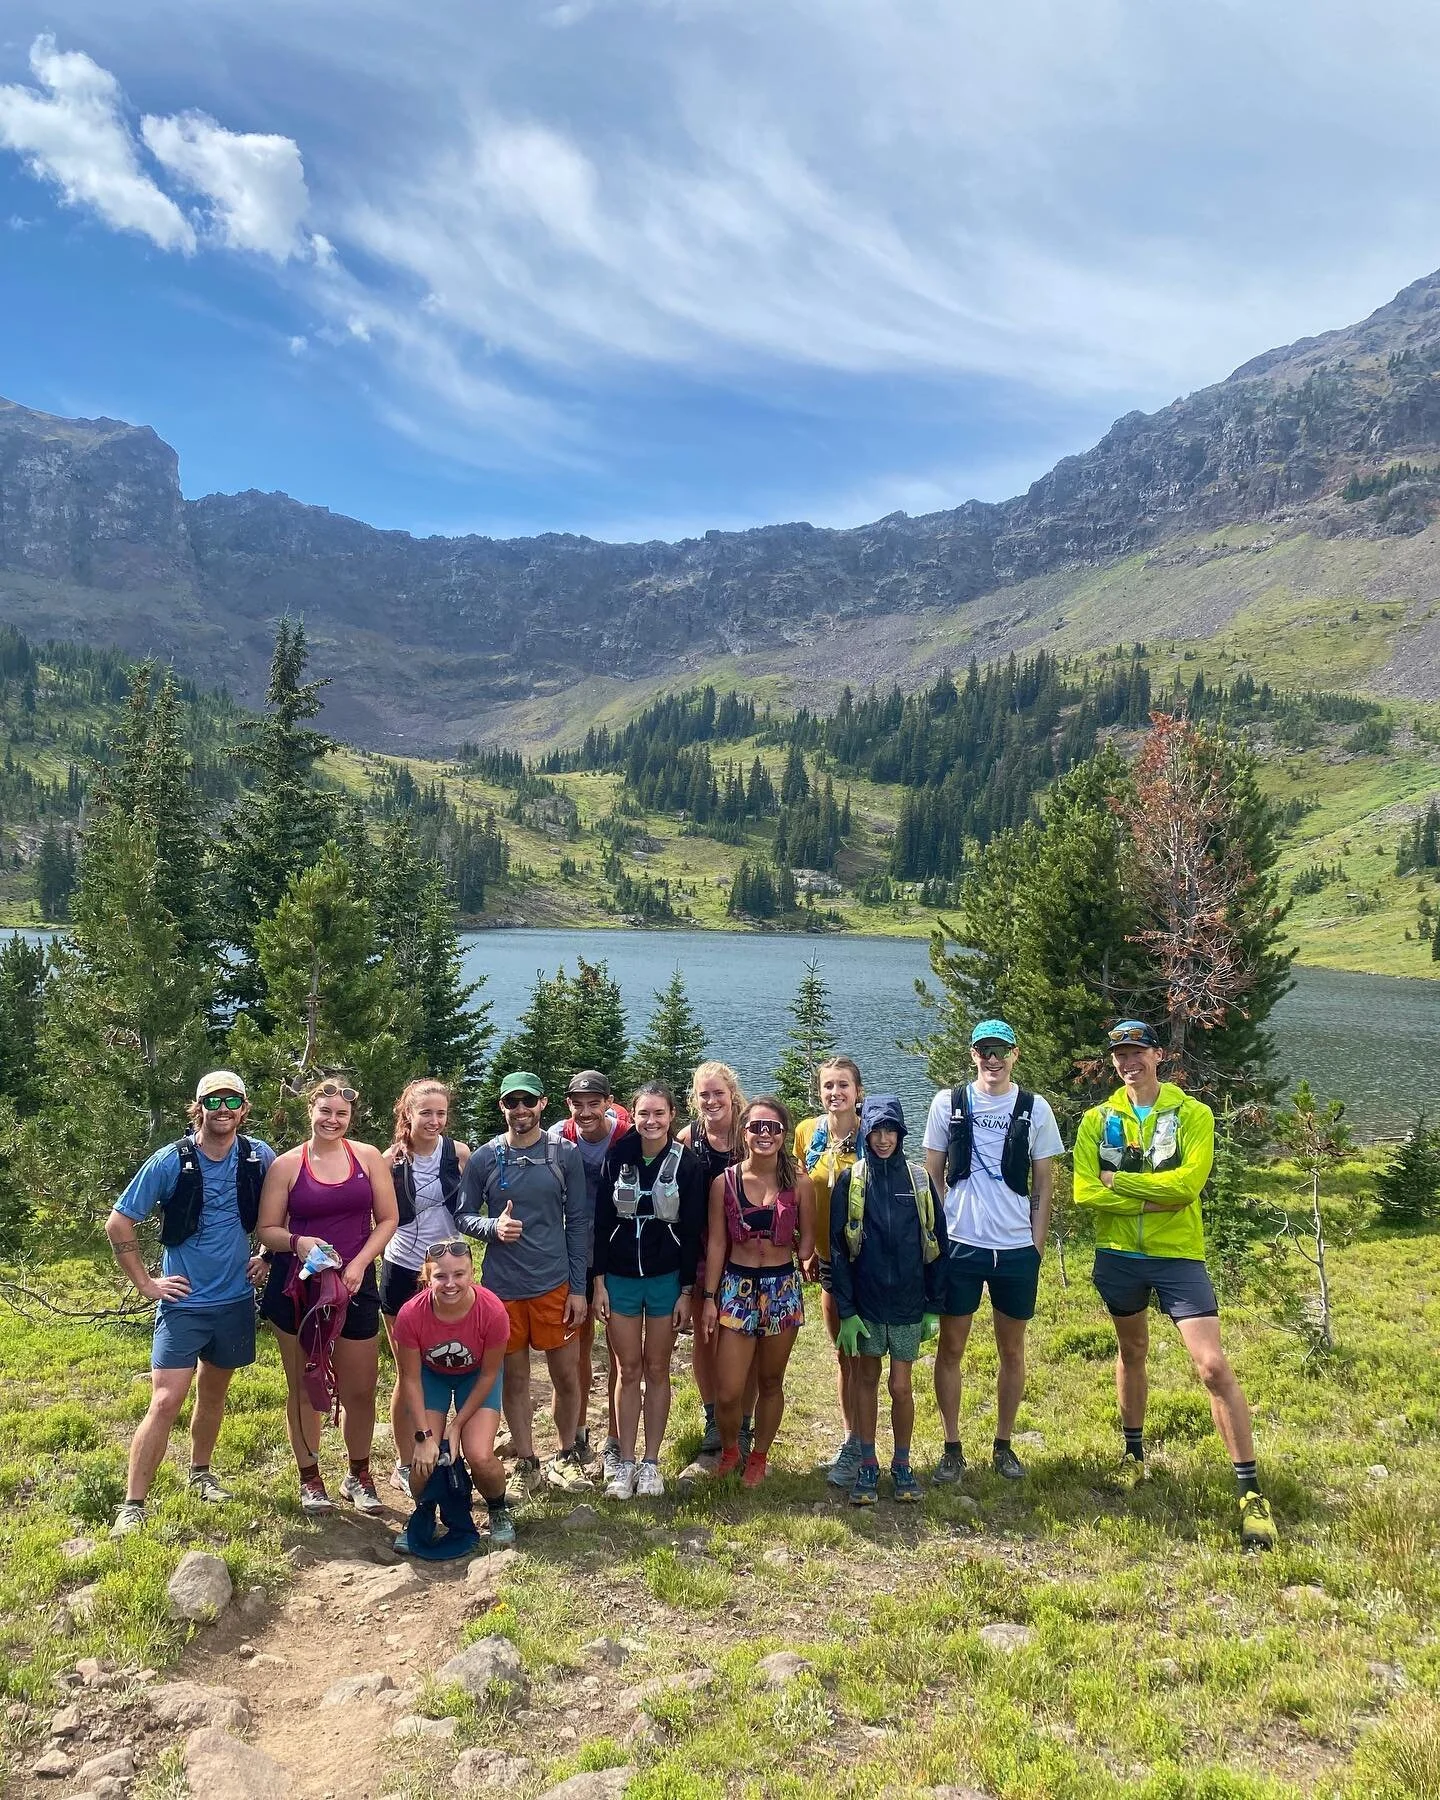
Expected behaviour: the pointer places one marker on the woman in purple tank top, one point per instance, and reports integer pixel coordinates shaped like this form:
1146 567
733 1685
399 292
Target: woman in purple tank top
329 1191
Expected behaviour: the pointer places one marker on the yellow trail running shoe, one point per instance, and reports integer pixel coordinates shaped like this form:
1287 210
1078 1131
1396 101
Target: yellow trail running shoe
1257 1523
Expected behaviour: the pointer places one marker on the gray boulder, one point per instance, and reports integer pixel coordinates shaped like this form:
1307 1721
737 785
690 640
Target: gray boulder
488 1662
222 1768
200 1588
357 1687
120 1764
780 1668
54 1765
187 1705
1006 1638
596 1784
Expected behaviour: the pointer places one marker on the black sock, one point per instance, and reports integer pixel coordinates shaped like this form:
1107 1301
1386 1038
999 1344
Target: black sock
500 1503
1246 1478
360 1467
709 1412
1002 1444
748 1422
199 1468
582 1439
1134 1441
952 1448
309 1472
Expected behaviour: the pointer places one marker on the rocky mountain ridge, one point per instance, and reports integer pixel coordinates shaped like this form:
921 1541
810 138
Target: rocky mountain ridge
96 534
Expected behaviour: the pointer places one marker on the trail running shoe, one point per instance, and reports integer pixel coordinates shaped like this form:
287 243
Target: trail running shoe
729 1462
1133 1469
528 1476
359 1490
591 1459
907 1489
747 1436
502 1528
1005 1462
610 1458
130 1517
621 1486
1257 1523
949 1469
314 1500
755 1470
649 1483
205 1487
841 1473
710 1442
564 1473
400 1479
865 1489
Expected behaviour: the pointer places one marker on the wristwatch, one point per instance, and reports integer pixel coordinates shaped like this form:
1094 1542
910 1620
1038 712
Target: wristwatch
420 1436
709 1293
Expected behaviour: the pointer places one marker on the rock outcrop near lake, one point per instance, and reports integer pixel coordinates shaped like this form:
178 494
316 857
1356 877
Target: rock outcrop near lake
97 542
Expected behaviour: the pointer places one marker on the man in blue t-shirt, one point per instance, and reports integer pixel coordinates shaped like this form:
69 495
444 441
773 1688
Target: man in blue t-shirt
206 1313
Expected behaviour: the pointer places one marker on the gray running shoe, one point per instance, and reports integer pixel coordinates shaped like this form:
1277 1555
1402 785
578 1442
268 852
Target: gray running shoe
747 1437
846 1466
1005 1462
130 1517
609 1459
710 1442
949 1469
204 1485
502 1529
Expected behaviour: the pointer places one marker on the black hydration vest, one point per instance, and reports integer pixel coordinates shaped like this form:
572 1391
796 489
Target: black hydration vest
404 1177
1014 1159
180 1214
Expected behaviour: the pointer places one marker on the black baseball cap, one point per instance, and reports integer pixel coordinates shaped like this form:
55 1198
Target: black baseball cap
1134 1031
589 1081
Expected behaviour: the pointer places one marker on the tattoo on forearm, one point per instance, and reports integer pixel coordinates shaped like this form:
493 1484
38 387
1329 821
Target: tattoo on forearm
123 1246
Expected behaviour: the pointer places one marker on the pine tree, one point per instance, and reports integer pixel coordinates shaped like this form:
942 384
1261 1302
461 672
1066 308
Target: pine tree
1408 1190
54 876
596 1022
1235 1220
331 1002
24 970
810 1039
539 1043
674 1041
794 783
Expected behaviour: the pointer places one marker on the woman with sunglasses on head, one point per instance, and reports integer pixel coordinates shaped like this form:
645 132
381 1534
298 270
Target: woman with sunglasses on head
648 1211
716 1103
762 1218
426 1167
825 1147
450 1341
330 1192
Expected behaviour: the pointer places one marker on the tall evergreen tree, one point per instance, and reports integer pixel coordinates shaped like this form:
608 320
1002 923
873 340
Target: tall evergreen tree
673 1043
810 1039
24 970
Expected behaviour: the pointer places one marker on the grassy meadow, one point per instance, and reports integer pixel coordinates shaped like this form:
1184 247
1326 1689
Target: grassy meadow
1160 1664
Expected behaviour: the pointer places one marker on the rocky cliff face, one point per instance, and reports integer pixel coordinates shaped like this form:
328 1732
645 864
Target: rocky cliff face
96 506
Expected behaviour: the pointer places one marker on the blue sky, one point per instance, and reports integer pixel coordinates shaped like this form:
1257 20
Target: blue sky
642 267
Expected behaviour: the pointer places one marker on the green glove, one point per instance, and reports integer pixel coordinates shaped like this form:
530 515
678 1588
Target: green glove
848 1336
929 1327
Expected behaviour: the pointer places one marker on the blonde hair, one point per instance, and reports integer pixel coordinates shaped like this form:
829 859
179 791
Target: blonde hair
401 1143
718 1071
851 1067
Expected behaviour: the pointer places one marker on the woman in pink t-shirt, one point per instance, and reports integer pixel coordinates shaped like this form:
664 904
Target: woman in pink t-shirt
450 1342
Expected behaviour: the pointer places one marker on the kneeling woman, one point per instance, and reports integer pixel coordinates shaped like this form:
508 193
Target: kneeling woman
330 1192
450 1341
762 1215
649 1211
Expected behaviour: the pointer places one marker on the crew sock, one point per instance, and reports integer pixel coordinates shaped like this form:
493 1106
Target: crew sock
360 1467
500 1503
1134 1441
953 1448
199 1468
709 1406
1246 1478
309 1472
1001 1444
901 1457
867 1453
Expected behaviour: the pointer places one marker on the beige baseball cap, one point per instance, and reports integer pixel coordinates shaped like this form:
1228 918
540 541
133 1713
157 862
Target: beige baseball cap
220 1081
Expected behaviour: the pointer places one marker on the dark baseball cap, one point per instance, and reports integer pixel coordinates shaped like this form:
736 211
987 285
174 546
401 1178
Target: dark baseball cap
1134 1031
589 1081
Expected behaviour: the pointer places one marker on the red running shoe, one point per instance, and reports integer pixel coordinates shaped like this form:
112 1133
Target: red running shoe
754 1468
729 1462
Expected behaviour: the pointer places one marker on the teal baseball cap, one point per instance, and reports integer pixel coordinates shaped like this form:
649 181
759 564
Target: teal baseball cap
992 1031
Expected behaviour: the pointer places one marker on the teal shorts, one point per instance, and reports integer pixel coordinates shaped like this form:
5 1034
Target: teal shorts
901 1343
445 1389
632 1295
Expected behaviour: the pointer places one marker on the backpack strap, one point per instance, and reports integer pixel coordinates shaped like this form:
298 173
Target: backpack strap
957 1150
925 1206
855 1209
1015 1154
180 1213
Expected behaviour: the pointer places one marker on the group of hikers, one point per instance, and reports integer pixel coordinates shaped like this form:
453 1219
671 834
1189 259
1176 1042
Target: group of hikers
627 1217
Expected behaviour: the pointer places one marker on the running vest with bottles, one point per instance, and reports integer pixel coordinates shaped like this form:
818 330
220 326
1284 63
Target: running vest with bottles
664 1195
1116 1151
499 1176
924 1205
403 1173
180 1214
1014 1158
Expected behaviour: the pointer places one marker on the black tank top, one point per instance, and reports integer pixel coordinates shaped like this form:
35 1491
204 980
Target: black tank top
714 1162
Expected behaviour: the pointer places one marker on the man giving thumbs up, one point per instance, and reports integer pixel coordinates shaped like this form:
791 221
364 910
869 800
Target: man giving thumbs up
524 1198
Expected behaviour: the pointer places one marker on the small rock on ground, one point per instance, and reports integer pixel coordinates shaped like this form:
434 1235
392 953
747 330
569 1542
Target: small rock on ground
581 1518
1377 1472
356 1687
613 1651
81 1603
691 1681
780 1668
66 1722
76 1549
1032 1440
222 1768
53 1765
596 1784
119 1763
200 1588
481 1665
414 1726
1006 1638
489 1768
187 1705
1307 1593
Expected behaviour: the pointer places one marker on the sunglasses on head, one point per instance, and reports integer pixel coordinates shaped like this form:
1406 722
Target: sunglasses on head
231 1102
1131 1034
448 1247
335 1090
510 1100
765 1128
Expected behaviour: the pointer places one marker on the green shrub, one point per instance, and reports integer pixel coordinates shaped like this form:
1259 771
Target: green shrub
1094 1343
1182 1418
57 1428
95 1488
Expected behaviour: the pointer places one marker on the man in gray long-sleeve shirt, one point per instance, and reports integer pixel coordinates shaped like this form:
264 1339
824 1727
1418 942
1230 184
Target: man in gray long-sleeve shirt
524 1197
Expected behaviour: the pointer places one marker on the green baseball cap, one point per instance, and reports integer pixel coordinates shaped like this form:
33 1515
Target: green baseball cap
992 1031
521 1082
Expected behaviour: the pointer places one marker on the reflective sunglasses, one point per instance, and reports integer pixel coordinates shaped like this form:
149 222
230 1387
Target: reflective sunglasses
231 1102
448 1247
1140 1035
510 1100
993 1048
765 1128
335 1090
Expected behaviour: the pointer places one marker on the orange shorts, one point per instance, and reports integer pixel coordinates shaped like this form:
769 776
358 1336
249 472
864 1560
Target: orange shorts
539 1324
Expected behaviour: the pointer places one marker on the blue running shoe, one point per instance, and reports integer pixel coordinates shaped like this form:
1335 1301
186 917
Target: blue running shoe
865 1490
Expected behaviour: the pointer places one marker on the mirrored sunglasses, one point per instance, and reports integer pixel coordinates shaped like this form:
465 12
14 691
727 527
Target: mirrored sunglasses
230 1102
765 1128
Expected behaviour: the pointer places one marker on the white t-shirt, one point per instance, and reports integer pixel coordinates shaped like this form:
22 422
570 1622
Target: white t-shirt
980 1210
433 1222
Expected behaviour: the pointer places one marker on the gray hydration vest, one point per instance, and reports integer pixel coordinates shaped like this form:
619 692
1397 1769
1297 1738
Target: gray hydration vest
664 1195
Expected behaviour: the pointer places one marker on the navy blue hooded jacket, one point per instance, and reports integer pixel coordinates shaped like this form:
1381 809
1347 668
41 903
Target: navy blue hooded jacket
889 1283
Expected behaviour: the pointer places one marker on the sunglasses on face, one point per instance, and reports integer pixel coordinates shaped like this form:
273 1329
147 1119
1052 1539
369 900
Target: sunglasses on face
513 1100
334 1090
998 1052
231 1102
765 1128
448 1247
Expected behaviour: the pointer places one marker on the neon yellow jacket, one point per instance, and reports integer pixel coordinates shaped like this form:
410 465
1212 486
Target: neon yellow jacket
1177 1167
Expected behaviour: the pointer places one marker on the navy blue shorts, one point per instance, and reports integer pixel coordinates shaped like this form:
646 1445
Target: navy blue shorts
1181 1285
223 1336
1012 1276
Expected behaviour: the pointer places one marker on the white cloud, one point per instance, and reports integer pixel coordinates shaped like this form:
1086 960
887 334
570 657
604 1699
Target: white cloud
255 182
74 135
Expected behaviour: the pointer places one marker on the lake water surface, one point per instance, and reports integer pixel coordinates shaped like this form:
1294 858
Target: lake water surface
1373 1039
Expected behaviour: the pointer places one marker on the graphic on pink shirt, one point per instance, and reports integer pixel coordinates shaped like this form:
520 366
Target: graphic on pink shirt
453 1346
